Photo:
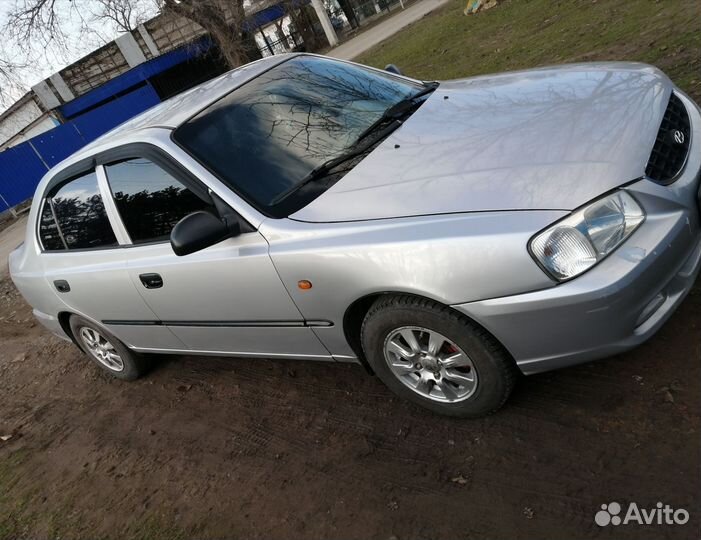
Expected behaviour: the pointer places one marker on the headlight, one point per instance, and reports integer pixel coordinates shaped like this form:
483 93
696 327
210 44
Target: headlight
578 242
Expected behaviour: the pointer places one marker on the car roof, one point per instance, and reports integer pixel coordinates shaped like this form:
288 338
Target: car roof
177 109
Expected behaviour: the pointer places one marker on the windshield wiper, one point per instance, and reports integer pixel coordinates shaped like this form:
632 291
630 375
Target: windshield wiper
399 109
393 113
323 169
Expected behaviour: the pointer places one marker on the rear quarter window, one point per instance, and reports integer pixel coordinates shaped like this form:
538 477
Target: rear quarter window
48 230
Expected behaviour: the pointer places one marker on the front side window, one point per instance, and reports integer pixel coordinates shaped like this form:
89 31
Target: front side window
267 136
80 218
149 200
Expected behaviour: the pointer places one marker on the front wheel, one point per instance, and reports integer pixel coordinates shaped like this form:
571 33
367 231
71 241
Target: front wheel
436 358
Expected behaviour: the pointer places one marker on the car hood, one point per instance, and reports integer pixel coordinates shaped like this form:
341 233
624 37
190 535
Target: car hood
543 139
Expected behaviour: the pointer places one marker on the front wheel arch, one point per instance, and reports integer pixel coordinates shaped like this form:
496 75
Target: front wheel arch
497 369
356 312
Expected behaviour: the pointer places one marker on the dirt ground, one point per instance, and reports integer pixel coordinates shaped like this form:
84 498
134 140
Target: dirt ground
208 447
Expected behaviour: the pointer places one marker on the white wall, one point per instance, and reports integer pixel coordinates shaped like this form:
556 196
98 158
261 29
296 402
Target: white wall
27 122
25 115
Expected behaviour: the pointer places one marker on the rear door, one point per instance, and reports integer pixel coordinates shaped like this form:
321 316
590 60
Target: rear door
85 264
224 299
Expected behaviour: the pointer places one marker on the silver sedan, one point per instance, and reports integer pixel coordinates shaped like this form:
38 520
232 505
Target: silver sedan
449 236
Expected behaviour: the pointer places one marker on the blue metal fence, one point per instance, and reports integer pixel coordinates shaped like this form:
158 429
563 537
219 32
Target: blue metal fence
58 143
18 165
88 117
100 120
22 166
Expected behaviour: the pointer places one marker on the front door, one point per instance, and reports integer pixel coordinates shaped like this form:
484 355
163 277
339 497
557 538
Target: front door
224 299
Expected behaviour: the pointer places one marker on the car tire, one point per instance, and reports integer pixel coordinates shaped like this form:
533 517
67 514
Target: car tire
397 336
105 350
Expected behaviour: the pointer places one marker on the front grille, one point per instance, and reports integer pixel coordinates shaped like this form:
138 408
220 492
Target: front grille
672 144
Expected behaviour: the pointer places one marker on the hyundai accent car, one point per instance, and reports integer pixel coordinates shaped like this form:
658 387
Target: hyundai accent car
447 235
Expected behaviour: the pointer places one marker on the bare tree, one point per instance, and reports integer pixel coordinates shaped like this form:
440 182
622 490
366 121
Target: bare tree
44 22
46 31
125 15
37 33
33 26
34 20
11 85
225 20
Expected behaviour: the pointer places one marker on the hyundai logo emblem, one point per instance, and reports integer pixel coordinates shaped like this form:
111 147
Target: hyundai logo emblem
678 136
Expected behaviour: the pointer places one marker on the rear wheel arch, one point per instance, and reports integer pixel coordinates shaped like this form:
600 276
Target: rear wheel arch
105 349
64 318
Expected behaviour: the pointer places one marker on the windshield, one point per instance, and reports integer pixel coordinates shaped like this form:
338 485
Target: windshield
265 137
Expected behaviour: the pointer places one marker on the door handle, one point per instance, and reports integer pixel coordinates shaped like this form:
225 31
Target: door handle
151 281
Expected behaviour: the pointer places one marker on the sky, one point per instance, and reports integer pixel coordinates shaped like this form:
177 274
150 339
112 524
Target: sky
43 60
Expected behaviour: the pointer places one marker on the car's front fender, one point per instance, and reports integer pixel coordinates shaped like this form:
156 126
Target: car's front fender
449 258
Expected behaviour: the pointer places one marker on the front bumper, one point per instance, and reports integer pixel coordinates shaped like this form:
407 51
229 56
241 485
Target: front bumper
604 312
622 301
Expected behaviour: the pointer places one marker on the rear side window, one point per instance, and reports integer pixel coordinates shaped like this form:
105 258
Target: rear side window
150 201
80 218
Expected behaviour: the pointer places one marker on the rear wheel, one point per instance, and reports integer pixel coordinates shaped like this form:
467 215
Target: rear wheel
436 358
105 350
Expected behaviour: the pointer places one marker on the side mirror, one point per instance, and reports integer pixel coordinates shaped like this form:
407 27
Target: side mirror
200 230
393 69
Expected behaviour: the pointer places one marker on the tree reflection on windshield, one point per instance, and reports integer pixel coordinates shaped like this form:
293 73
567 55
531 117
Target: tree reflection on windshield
266 136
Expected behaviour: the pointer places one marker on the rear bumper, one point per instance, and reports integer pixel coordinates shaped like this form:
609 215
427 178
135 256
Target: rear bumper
625 299
51 323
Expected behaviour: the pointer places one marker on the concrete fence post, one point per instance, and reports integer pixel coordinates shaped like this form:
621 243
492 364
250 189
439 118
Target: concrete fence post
329 30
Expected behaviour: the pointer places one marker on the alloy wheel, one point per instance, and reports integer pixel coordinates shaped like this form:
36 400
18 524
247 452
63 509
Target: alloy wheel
101 349
430 364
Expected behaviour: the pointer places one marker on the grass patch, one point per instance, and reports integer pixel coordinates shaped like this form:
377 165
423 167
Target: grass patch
23 516
521 34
